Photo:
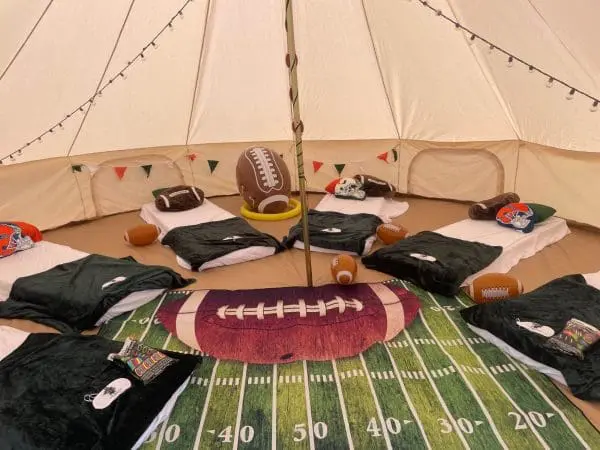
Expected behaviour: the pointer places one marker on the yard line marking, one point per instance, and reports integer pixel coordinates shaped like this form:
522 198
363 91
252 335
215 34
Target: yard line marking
407 397
152 318
205 409
377 406
274 411
114 338
437 393
342 405
311 437
240 405
494 379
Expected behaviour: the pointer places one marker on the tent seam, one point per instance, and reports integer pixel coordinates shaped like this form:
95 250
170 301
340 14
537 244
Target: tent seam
22 46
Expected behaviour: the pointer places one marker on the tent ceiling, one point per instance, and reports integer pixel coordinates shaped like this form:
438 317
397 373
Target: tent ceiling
372 69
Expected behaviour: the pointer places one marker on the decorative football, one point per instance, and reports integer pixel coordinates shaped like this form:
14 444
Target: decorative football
142 234
263 180
389 233
343 269
279 325
179 198
492 287
375 187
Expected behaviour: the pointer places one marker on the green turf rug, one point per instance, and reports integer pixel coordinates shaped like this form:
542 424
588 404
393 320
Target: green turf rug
436 385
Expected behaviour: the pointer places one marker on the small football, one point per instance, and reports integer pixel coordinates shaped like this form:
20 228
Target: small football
142 235
179 198
389 233
375 187
343 269
492 287
263 180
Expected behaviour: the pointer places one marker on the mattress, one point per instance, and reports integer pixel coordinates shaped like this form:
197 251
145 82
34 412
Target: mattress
205 213
46 255
516 245
385 209
592 279
166 221
12 338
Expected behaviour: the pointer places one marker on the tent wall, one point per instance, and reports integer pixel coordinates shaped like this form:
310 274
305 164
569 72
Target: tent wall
374 75
49 193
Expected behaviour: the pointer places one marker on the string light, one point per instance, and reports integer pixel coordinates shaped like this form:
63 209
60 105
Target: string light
512 58
141 56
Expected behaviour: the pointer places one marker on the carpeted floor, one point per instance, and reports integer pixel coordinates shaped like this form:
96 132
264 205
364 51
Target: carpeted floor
577 253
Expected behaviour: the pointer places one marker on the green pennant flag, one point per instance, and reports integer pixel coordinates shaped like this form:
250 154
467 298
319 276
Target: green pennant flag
339 168
76 167
395 152
147 168
212 164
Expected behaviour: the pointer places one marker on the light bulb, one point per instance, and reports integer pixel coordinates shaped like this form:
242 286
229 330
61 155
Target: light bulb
154 45
571 94
170 25
531 69
438 12
142 57
99 94
594 106
510 61
491 49
122 75
472 39
19 153
550 82
12 158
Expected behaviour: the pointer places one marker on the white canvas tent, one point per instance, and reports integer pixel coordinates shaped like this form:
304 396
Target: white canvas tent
374 76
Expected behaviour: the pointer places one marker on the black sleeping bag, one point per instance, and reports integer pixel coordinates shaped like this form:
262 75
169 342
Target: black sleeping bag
336 231
44 384
200 244
75 295
551 305
432 261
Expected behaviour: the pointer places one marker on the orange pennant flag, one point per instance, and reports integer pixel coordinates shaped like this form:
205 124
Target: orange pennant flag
120 171
383 156
317 165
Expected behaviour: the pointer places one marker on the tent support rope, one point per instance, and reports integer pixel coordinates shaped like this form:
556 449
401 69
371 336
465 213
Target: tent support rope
298 127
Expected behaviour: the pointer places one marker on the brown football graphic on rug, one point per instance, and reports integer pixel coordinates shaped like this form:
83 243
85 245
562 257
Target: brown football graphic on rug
263 180
389 233
142 235
492 287
179 198
278 325
343 269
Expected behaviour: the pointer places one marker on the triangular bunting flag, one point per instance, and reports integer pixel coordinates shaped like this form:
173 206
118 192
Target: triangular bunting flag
76 167
192 156
339 168
317 165
212 164
383 156
120 171
395 152
147 168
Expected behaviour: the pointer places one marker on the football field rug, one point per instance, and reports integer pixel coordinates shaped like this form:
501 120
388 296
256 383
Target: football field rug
435 385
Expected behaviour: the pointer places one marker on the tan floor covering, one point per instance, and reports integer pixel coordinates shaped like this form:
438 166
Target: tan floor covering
577 253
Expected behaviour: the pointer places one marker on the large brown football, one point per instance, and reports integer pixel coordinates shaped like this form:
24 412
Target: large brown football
263 180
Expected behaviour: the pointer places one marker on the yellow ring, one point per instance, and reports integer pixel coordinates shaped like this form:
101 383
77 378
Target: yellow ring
272 217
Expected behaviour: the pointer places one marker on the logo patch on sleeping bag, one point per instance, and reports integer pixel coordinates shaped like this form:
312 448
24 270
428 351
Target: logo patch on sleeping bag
11 240
518 216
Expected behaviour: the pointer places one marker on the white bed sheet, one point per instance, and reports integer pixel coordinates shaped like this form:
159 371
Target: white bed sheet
207 212
516 245
46 255
385 209
166 221
592 279
43 256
